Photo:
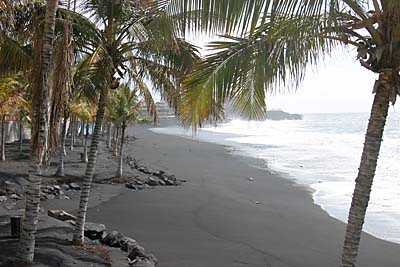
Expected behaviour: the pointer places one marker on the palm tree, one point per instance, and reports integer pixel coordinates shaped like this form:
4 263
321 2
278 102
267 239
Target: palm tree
27 40
265 44
60 170
133 44
110 116
3 137
26 246
79 107
109 126
72 132
23 119
116 138
123 109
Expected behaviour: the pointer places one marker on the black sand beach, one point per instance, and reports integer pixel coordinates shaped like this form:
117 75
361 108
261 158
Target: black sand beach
218 218
215 220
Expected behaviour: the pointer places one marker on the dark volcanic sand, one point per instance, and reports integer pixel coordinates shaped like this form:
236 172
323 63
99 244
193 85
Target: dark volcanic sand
214 221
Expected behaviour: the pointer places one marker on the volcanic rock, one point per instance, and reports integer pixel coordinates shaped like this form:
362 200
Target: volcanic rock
94 231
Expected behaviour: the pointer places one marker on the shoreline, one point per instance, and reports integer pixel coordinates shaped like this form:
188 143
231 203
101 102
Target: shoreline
217 210
379 226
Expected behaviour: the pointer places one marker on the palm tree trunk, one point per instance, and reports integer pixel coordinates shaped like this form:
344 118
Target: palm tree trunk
3 141
60 170
109 135
120 162
64 147
93 128
85 154
65 136
366 171
116 142
26 248
78 237
20 131
82 130
113 137
72 133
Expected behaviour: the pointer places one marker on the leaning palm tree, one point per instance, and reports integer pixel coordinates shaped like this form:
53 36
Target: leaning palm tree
140 42
281 39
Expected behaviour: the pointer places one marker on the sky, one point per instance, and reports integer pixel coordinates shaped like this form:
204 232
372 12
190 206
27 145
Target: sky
338 84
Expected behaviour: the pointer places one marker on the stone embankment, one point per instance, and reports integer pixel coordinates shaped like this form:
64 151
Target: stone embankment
96 233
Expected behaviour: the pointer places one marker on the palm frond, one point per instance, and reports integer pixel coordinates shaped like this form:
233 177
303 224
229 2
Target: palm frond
12 99
60 84
223 16
93 72
81 107
13 56
240 17
123 105
85 33
141 86
244 70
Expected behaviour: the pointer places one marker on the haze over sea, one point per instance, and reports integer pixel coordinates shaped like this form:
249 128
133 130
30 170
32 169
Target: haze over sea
323 152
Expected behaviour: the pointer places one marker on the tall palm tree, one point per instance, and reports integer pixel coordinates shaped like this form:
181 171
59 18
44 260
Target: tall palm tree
133 44
267 45
26 42
39 140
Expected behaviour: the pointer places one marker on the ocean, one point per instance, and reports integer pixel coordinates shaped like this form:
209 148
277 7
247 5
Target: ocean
322 152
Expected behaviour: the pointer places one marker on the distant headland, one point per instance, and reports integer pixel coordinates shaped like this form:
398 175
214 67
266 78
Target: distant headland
275 114
278 115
